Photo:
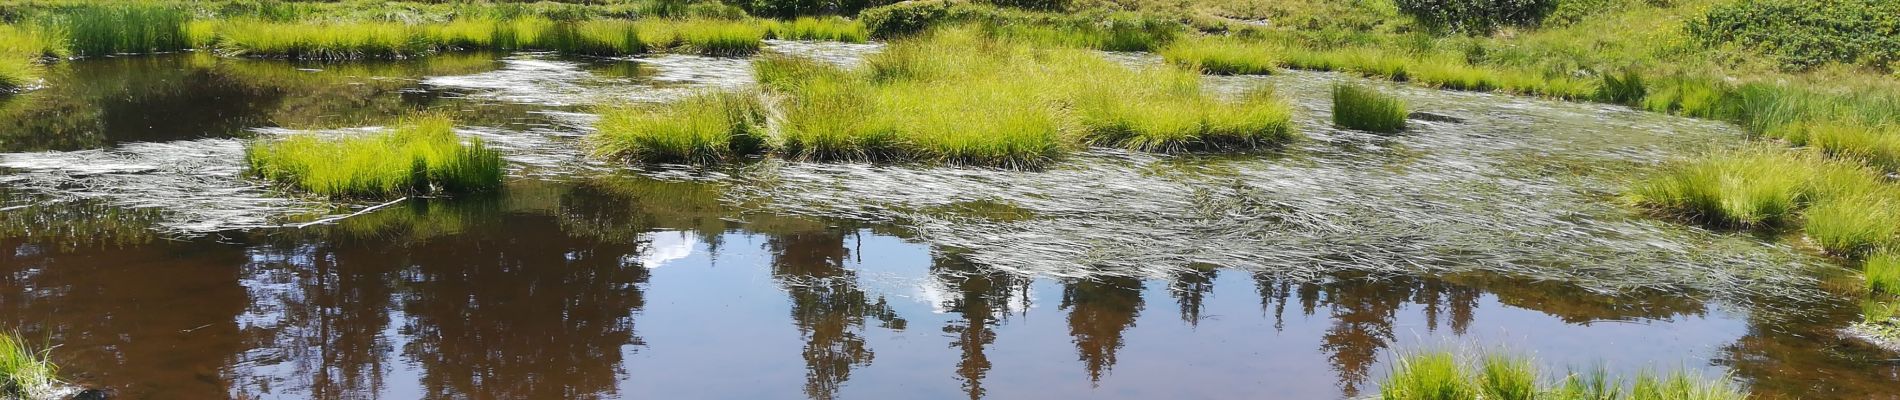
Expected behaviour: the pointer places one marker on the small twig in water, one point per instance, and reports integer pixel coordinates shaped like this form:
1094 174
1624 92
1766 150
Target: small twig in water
364 211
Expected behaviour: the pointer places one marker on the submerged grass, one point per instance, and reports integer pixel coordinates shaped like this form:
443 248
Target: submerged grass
419 155
26 373
702 128
1365 108
1439 375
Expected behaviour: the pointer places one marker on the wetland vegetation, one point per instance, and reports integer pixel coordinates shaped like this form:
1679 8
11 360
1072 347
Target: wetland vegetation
608 128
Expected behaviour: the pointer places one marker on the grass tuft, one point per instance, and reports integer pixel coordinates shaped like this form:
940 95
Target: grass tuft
1883 273
26 373
1503 377
420 155
707 127
1364 108
1750 188
130 27
1428 376
837 29
1221 57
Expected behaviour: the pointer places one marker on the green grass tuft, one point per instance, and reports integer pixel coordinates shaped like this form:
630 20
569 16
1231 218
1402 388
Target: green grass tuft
1883 273
129 27
701 128
1428 376
1364 108
1681 386
1222 57
837 29
1745 188
420 155
26 373
1503 377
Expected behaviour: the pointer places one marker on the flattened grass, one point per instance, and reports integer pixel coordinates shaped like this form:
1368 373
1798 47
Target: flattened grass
420 155
1364 108
707 127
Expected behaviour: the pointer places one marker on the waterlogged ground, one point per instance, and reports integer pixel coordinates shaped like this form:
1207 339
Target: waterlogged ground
129 239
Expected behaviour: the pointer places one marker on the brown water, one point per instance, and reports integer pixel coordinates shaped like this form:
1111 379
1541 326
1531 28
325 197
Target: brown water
128 240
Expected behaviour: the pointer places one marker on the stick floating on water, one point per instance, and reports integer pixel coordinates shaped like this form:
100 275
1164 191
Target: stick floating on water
340 218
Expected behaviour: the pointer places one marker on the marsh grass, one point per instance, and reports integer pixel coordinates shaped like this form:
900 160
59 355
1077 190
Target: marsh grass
1505 377
20 50
129 27
1165 110
837 29
708 127
420 155
1221 57
1883 274
711 37
1626 88
321 41
1751 188
25 372
1433 375
1364 108
1439 375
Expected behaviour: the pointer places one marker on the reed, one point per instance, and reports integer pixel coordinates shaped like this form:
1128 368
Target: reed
420 155
25 372
710 127
1363 108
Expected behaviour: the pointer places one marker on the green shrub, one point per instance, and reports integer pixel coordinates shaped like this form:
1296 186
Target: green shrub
1476 16
1802 34
1428 376
1883 273
708 127
1363 108
420 155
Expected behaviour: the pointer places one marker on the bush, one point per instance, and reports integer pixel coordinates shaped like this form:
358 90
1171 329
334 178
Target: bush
1477 16
1802 34
420 155
1362 108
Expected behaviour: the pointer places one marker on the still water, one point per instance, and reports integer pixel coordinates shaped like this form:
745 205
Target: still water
129 240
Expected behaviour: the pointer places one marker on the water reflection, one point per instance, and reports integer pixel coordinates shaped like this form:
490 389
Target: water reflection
545 292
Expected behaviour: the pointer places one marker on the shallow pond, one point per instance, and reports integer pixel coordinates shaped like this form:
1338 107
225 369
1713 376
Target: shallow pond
128 239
